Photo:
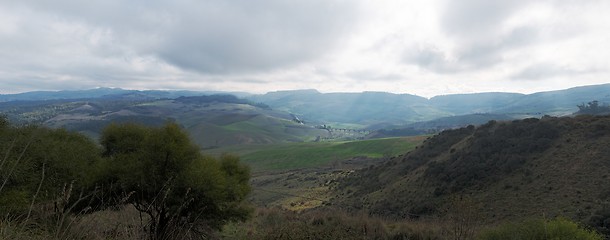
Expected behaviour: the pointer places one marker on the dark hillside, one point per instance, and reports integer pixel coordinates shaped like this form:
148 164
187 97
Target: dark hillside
532 167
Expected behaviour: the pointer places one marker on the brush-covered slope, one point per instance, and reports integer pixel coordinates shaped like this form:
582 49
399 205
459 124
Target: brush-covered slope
532 167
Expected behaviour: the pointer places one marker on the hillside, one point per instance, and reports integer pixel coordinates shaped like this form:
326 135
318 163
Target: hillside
474 103
439 124
212 121
510 170
360 108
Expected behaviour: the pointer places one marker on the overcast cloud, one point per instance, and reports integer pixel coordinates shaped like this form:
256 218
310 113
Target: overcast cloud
426 47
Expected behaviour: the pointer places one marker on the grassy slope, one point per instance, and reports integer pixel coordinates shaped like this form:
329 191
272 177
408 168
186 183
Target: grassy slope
260 129
313 154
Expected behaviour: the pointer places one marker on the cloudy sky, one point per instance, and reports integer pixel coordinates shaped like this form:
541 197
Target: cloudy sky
427 47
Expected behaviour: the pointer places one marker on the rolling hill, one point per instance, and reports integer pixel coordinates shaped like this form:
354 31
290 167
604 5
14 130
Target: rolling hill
108 93
509 170
366 110
267 118
361 108
371 109
212 121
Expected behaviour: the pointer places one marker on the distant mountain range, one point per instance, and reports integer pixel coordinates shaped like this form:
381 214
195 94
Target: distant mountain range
109 93
370 110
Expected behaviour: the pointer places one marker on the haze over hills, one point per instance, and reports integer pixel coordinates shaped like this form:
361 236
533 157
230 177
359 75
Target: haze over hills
268 118
370 108
362 108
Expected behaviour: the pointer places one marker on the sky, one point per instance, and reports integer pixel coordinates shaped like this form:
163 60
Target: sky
427 48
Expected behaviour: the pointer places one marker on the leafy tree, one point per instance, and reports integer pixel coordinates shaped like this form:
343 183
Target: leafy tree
161 172
39 165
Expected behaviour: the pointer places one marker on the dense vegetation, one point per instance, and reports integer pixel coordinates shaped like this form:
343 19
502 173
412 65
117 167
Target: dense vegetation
163 175
39 165
493 152
54 177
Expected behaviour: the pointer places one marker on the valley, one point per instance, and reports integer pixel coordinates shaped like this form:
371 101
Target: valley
394 158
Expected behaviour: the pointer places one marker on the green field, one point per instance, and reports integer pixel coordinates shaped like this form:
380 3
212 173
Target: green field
312 154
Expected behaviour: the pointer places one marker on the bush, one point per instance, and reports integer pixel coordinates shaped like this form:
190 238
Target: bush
38 164
326 224
161 172
538 229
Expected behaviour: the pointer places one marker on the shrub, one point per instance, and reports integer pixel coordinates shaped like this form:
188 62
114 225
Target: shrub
38 163
161 172
538 229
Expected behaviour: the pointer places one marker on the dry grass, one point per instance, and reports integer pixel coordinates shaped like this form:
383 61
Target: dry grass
274 223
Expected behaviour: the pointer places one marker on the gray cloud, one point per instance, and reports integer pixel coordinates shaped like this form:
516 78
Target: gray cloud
217 36
485 54
431 58
476 28
369 75
477 18
470 56
547 70
263 45
258 35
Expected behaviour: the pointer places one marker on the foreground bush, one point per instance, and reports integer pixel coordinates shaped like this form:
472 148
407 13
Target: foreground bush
327 224
538 229
162 174
43 166
52 181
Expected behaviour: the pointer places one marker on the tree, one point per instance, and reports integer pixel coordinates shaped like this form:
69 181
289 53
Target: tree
593 107
162 173
39 165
